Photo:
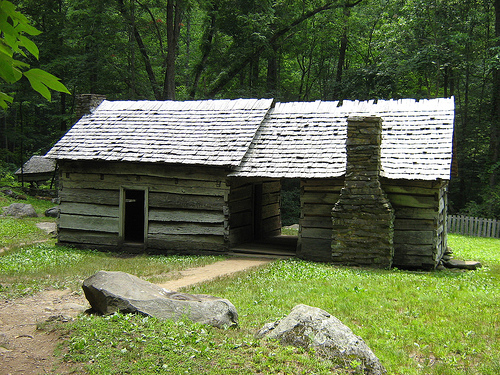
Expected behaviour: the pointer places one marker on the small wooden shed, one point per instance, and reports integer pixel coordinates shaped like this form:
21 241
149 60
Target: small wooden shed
205 176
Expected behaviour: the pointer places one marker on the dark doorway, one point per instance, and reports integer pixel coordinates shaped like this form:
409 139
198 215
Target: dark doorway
134 216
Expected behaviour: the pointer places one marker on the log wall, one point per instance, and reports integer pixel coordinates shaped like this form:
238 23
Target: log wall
254 207
185 206
419 226
317 198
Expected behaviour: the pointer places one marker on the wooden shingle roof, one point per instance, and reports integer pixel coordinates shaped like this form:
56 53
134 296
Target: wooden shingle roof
289 140
209 132
307 140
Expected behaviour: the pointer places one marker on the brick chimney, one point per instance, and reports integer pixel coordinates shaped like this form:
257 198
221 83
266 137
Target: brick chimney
363 218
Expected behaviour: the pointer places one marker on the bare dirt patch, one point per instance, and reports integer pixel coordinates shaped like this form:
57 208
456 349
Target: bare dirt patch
26 350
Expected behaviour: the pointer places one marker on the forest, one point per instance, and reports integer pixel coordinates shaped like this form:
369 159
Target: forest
290 50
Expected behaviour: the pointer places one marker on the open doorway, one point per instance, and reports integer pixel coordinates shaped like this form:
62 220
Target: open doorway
134 215
255 218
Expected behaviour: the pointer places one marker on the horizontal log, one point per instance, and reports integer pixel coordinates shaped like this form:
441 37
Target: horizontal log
186 243
68 236
337 183
429 184
147 169
185 229
107 197
414 237
416 201
87 209
202 202
315 249
270 198
311 209
414 249
323 222
89 223
410 224
319 233
320 197
271 186
271 224
414 213
240 193
410 190
128 179
188 216
240 206
175 189
270 210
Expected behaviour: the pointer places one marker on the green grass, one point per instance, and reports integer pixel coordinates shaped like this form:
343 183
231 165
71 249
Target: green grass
441 322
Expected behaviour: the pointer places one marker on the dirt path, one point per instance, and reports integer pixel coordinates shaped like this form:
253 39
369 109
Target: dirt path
28 351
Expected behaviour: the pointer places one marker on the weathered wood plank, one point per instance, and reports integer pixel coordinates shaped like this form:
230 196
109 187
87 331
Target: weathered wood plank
337 183
123 179
79 237
186 243
270 198
309 209
271 186
319 233
414 213
414 249
270 210
87 209
175 189
410 224
242 192
149 169
414 237
89 223
320 197
185 229
240 206
271 224
202 202
106 197
188 216
324 222
315 249
416 201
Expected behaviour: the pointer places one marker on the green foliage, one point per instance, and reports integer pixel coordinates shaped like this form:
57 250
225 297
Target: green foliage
13 27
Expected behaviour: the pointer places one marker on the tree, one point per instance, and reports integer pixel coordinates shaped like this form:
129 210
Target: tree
13 40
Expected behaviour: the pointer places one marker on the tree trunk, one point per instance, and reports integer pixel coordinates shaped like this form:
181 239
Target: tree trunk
173 28
495 118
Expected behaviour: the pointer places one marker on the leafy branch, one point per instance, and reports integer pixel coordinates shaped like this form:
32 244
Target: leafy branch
14 27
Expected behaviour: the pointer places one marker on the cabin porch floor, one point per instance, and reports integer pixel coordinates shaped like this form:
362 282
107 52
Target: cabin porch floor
279 246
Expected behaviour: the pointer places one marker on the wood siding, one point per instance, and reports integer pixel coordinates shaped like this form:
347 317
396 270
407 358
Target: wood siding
185 206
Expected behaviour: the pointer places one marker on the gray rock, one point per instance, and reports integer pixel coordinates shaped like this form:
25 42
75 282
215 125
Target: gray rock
109 292
462 264
20 210
311 327
52 212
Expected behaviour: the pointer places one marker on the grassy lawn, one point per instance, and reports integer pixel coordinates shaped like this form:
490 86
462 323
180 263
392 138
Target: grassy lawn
441 322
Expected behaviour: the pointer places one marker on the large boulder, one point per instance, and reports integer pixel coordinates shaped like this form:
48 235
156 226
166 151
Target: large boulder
20 210
311 327
109 292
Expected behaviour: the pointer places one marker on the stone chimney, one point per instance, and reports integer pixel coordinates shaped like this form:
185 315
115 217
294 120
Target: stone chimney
363 218
85 103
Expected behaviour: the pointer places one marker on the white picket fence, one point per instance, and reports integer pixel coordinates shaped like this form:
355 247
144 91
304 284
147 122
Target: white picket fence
473 226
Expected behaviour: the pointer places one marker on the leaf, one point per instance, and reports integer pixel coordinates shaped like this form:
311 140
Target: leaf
41 81
4 98
8 68
29 45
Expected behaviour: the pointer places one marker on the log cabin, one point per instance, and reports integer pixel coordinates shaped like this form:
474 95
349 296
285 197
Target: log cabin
205 176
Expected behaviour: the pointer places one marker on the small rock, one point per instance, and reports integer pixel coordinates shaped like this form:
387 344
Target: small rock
53 212
462 264
20 210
